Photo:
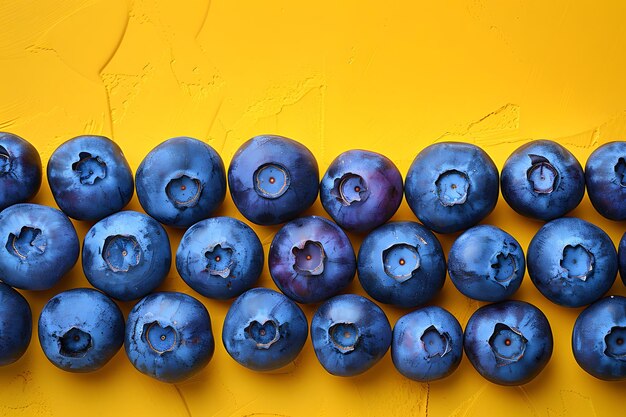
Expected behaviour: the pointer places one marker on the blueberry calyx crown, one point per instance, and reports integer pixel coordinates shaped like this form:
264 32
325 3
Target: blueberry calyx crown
452 187
577 262
507 344
309 258
90 168
219 260
615 342
184 191
121 252
400 261
271 180
29 241
436 343
620 172
263 334
344 336
161 339
75 343
503 267
542 175
5 161
349 189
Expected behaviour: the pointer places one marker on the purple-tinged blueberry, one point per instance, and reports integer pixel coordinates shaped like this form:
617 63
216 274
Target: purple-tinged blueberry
220 257
38 246
451 186
350 334
90 178
509 343
401 263
264 330
16 325
543 180
169 336
486 263
361 190
273 179
181 181
126 255
80 330
311 259
427 344
20 170
605 176
572 262
621 255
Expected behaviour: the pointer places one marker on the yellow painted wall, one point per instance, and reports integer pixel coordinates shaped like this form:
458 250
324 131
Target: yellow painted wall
334 75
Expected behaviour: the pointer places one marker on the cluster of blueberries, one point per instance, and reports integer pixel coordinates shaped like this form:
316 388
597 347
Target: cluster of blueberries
450 187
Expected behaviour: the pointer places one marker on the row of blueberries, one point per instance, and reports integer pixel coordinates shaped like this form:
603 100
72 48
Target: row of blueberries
272 179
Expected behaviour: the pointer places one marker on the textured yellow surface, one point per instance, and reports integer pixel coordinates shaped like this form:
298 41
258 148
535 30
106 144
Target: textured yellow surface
334 75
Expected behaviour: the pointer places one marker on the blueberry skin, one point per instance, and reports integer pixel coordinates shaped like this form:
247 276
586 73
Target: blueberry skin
264 330
20 170
220 257
90 177
605 172
542 180
16 325
80 330
451 186
427 344
401 263
329 270
361 190
181 181
621 255
169 336
530 342
38 246
486 263
572 262
349 334
273 179
599 339
126 255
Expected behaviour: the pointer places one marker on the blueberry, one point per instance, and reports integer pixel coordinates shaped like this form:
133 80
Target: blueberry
126 255
273 179
80 330
264 330
605 176
508 343
427 344
169 336
572 262
38 245
401 263
486 263
220 257
451 186
622 258
361 190
349 334
599 339
311 259
16 325
542 180
181 182
20 170
90 178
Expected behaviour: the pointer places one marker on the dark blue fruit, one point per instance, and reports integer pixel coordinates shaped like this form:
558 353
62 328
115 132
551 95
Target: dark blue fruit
38 245
264 330
90 178
181 182
20 170
605 176
401 263
273 179
16 325
621 255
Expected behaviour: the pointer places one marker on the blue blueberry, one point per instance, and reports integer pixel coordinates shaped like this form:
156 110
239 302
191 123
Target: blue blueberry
542 180
311 259
273 179
181 182
401 263
509 343
169 336
572 262
16 325
486 263
621 254
605 176
126 255
350 334
451 186
220 257
599 339
90 178
38 245
80 330
20 170
264 330
361 190
427 344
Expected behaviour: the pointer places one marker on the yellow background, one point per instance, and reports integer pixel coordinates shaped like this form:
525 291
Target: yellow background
334 75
